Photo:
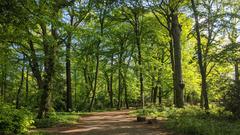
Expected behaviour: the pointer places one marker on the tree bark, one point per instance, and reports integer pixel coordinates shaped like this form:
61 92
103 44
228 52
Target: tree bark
75 87
125 91
236 71
20 88
101 19
176 37
68 74
202 67
138 43
111 84
27 85
120 87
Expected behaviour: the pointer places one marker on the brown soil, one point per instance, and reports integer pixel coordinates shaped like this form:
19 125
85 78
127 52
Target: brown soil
110 123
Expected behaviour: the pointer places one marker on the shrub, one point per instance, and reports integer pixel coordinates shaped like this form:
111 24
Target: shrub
195 121
232 99
14 121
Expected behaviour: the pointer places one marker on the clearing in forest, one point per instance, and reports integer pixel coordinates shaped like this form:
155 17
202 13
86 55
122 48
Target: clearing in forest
109 123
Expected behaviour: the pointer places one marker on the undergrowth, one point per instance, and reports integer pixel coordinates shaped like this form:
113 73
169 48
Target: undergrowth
58 118
194 120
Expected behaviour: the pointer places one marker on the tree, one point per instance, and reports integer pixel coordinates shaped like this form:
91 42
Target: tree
169 10
134 14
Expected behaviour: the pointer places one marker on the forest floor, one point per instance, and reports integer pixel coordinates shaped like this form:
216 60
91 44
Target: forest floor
109 123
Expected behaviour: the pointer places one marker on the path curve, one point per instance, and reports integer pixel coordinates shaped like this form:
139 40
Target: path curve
110 123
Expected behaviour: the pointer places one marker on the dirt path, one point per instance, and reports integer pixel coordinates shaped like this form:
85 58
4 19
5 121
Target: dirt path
110 123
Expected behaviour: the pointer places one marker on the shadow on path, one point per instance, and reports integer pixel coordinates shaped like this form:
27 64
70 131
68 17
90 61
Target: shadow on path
109 123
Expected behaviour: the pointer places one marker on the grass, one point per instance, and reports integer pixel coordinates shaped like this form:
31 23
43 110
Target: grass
193 120
58 118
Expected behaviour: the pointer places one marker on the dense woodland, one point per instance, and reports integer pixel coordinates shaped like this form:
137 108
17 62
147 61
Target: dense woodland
88 55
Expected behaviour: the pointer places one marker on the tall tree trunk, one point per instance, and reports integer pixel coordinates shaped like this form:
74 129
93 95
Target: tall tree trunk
68 69
236 71
68 74
20 88
160 95
75 87
120 87
169 27
125 90
202 67
176 36
3 81
138 43
111 84
49 62
154 89
27 85
95 79
101 20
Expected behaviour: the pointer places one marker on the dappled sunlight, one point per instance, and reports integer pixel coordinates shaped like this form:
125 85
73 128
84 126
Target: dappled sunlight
110 123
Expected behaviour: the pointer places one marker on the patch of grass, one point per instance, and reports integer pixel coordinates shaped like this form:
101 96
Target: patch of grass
193 120
58 118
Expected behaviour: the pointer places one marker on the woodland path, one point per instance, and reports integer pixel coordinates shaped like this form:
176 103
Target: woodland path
110 123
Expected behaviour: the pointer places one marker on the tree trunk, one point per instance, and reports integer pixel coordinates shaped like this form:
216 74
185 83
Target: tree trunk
75 87
236 71
176 36
95 79
202 67
101 20
27 85
68 74
49 62
138 43
3 81
172 58
111 84
125 91
120 87
160 95
20 88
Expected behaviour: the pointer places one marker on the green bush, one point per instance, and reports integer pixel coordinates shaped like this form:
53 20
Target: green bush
232 99
193 120
14 121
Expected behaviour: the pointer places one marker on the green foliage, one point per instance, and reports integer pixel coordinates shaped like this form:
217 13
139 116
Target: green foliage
232 99
196 126
58 118
14 121
194 120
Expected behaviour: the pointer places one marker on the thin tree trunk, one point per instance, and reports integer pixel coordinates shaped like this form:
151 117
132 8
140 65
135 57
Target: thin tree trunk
27 85
101 20
3 81
95 80
160 95
204 95
171 50
125 91
111 84
236 71
75 87
20 88
120 87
